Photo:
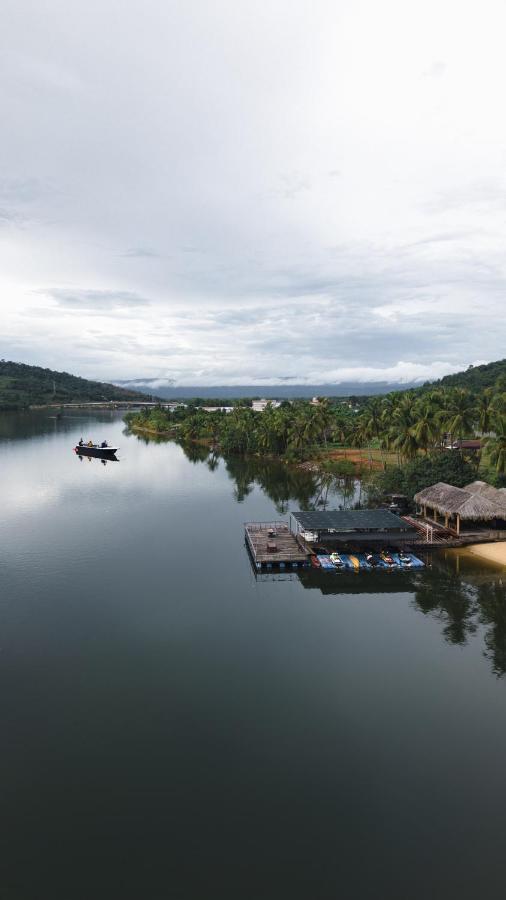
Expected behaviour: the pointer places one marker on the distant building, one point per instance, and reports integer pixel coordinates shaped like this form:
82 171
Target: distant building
260 405
473 446
210 409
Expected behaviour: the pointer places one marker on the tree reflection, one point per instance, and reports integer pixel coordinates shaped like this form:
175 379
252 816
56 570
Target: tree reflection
442 593
492 603
196 453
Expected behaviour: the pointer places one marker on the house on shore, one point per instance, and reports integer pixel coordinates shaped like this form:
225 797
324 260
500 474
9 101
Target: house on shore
477 504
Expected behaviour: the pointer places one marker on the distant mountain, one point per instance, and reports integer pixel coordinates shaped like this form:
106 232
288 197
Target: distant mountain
280 392
22 386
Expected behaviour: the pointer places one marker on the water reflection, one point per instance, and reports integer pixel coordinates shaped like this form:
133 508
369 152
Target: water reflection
284 484
103 460
467 597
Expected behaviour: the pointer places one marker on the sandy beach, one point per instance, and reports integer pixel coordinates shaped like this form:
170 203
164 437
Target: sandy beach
493 552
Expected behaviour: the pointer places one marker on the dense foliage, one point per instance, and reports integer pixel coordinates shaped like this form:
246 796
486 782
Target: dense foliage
476 378
22 386
412 477
402 425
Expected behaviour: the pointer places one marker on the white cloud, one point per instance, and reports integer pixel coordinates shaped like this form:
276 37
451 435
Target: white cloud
215 191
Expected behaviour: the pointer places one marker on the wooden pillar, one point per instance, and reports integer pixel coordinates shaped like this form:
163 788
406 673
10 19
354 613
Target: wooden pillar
446 520
424 511
458 524
435 514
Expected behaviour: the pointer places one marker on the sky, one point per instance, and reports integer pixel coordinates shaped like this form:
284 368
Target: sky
236 192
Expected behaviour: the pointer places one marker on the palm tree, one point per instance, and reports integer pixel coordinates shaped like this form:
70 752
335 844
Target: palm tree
460 413
426 429
496 446
485 409
402 431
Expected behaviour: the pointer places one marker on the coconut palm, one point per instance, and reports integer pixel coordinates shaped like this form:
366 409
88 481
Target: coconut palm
496 446
426 428
403 438
460 413
485 410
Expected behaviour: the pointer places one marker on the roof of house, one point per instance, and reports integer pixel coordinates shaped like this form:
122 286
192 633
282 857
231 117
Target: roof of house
495 495
350 520
471 502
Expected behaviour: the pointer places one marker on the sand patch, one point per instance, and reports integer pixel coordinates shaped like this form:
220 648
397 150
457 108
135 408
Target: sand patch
494 552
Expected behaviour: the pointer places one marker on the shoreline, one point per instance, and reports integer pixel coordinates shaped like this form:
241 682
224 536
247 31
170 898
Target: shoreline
493 552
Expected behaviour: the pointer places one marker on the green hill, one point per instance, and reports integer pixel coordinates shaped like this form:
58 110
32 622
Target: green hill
475 378
22 386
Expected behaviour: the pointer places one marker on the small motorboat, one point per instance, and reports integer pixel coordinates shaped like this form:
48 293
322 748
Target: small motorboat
405 560
99 450
325 561
336 560
389 560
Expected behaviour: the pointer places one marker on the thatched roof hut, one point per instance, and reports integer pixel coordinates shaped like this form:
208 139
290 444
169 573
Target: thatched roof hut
497 496
464 504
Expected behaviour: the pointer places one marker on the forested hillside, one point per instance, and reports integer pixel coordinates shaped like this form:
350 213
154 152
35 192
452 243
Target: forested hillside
476 378
22 386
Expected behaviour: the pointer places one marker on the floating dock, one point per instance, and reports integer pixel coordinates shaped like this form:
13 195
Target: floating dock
273 544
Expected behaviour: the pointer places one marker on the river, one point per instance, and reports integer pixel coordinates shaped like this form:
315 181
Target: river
174 727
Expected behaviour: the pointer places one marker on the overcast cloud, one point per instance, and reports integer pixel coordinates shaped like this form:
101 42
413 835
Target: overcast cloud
228 192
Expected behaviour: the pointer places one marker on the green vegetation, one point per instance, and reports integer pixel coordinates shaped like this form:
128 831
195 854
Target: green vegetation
417 474
292 429
22 386
476 378
403 427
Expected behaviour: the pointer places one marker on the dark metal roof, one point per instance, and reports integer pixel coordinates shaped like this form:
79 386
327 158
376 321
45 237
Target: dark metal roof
350 520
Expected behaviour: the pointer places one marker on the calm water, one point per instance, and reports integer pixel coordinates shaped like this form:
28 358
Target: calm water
174 728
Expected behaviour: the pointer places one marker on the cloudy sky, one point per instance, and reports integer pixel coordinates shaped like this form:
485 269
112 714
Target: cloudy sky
237 191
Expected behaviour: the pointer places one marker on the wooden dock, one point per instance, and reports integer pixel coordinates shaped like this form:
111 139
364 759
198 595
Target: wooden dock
434 535
273 544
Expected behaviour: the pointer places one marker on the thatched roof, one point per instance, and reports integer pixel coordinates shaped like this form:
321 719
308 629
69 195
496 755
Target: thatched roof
497 496
449 500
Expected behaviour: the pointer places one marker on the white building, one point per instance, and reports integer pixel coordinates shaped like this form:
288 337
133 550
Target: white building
260 405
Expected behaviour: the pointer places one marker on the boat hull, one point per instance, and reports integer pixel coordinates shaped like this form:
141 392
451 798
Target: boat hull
101 452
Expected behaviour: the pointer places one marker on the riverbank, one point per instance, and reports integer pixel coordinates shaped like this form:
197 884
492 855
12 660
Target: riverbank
493 552
152 431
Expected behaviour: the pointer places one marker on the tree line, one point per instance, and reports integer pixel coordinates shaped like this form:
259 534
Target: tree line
406 424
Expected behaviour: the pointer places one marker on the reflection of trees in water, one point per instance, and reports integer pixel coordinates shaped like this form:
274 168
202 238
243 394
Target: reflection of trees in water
492 603
196 453
283 484
443 594
463 602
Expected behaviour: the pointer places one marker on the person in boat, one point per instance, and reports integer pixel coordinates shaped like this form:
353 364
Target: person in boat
404 558
81 442
387 558
370 559
103 444
90 444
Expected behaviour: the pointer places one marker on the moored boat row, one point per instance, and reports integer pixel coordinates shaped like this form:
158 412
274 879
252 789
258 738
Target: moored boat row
339 562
